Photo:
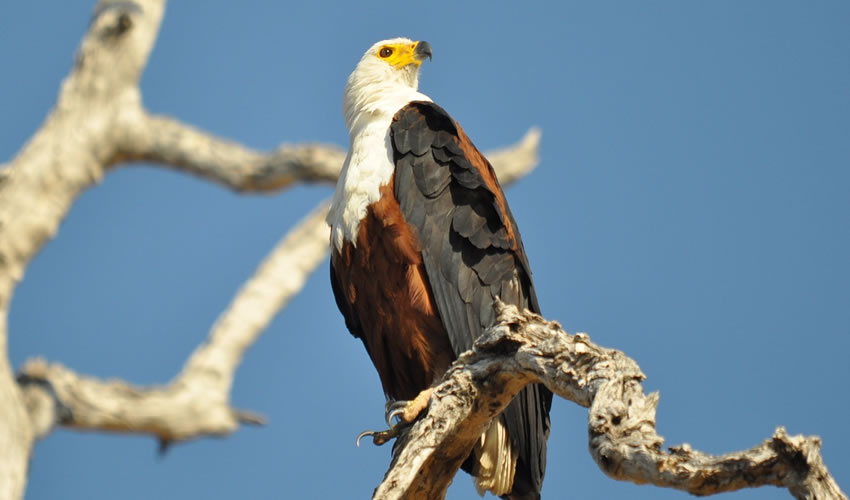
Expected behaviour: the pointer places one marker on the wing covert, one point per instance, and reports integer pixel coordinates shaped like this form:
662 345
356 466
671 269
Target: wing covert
471 250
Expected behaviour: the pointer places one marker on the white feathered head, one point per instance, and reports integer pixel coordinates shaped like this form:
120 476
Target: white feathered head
385 76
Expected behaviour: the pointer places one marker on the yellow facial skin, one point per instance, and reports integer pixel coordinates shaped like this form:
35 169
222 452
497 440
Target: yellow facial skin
399 55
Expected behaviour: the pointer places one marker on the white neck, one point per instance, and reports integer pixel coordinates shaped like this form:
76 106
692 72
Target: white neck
368 110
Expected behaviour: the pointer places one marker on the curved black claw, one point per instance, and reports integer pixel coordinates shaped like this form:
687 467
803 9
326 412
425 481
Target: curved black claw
381 437
400 410
362 435
395 409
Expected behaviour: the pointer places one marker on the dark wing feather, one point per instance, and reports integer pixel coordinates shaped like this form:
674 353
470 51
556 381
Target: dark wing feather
472 252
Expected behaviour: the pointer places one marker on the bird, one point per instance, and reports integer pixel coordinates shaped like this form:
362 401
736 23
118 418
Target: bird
423 243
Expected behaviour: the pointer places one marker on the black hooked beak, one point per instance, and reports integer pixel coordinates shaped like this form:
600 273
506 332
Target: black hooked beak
423 50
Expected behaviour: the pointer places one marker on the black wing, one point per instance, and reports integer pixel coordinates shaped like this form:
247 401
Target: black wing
472 252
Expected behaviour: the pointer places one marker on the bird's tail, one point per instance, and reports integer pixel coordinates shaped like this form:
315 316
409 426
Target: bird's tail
509 459
496 460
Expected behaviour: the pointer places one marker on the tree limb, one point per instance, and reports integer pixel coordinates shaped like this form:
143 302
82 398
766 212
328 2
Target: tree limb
171 144
61 159
196 402
166 142
523 348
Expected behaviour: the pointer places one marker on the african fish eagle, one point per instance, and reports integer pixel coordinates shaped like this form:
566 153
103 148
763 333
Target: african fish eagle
422 243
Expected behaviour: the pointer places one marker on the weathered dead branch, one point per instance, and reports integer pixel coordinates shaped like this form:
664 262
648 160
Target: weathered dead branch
524 348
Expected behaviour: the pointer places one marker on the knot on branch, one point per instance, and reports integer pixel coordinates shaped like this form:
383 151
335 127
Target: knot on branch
513 329
793 449
115 18
804 474
621 425
44 406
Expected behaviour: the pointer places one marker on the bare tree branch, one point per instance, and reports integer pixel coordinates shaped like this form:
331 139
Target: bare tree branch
196 402
523 348
175 412
517 160
169 143
61 159
172 144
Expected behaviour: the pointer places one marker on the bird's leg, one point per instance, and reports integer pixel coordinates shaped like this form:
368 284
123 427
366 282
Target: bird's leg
406 411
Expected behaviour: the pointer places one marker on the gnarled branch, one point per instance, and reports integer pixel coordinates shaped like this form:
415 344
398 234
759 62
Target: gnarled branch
166 142
524 348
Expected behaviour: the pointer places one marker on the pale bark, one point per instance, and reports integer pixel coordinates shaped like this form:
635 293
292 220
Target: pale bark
165 141
524 348
66 155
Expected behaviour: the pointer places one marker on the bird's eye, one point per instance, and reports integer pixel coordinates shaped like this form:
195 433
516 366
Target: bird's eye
385 52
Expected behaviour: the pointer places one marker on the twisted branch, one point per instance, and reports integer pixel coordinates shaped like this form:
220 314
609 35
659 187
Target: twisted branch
524 348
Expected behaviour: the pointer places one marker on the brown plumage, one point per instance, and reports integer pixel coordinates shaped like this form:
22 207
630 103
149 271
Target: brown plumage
382 283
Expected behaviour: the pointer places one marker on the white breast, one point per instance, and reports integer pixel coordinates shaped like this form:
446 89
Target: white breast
369 164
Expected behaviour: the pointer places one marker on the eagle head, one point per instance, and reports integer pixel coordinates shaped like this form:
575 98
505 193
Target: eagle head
386 78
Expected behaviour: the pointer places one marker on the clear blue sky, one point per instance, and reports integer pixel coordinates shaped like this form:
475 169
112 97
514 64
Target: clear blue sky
692 208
